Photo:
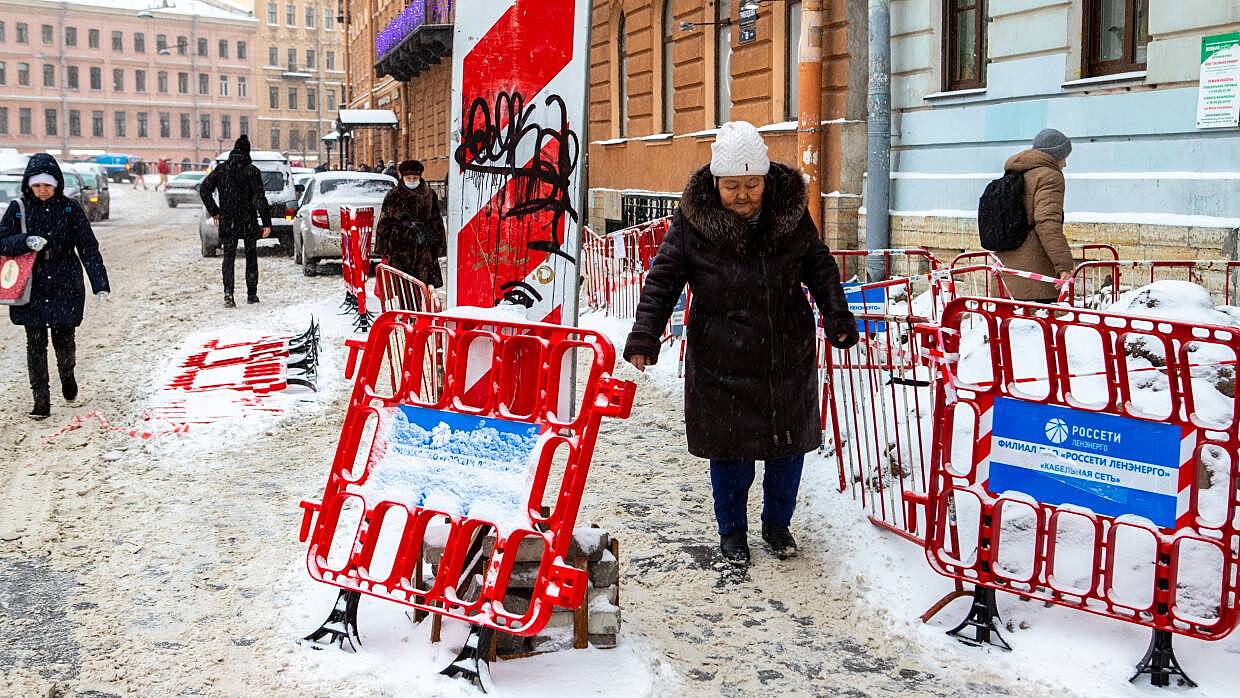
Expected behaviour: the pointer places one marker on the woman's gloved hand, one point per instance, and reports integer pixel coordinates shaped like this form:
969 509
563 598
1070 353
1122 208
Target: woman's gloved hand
841 329
36 243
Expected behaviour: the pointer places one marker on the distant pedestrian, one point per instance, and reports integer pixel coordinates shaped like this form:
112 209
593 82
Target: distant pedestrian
164 168
743 240
1045 250
410 234
241 203
137 173
363 167
59 231
391 170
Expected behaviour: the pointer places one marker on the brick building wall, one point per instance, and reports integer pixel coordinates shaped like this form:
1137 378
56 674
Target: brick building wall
302 60
113 91
644 154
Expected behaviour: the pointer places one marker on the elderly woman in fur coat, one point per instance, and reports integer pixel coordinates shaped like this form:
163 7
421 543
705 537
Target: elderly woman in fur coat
411 234
743 240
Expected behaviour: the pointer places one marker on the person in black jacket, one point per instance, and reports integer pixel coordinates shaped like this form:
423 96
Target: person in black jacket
59 230
743 240
241 203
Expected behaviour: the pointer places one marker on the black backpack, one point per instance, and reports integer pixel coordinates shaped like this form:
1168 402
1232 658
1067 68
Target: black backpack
1001 219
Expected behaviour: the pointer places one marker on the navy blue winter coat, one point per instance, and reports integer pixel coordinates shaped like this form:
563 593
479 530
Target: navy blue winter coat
58 295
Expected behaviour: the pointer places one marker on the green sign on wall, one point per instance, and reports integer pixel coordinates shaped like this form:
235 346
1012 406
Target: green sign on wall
1218 98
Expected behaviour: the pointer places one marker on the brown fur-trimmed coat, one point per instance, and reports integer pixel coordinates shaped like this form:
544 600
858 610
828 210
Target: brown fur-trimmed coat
397 237
750 372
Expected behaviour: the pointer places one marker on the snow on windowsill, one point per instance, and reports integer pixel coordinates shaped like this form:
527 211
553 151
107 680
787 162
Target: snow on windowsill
781 127
1183 220
611 141
655 137
1134 76
953 94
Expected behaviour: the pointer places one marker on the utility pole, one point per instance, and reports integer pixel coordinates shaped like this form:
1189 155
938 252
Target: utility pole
878 107
64 83
809 104
193 66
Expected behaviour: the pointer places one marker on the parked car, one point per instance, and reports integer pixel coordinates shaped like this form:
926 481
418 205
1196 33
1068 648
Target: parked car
183 189
117 166
98 196
10 188
281 198
75 189
316 227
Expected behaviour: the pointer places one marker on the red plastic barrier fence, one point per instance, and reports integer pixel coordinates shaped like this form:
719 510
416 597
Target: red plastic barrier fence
357 228
1121 555
496 370
1100 283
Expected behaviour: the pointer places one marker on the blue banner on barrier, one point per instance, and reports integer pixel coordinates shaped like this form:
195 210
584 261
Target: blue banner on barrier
871 301
1109 464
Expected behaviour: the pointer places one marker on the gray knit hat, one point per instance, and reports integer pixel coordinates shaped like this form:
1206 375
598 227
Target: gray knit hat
1053 143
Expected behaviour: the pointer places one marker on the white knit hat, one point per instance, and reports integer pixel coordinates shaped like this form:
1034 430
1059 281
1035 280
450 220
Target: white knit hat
739 151
42 178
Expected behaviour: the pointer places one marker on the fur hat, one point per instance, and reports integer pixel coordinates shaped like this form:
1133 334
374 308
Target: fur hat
242 145
410 167
739 151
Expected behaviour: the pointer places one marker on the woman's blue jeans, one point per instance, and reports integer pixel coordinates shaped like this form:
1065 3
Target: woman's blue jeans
730 481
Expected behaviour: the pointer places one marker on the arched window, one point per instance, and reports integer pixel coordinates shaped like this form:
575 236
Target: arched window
792 68
668 60
723 61
622 75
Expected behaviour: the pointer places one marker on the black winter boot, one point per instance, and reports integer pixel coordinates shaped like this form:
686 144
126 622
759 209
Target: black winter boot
735 547
36 366
251 298
229 302
64 342
781 541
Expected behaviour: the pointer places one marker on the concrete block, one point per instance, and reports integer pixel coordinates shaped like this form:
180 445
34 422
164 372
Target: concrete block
605 642
1211 239
605 622
606 571
609 594
524 575
589 543
553 639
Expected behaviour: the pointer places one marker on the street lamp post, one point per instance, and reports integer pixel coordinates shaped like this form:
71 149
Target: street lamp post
196 127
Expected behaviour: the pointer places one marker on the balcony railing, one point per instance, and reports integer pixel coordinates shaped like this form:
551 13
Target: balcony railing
417 14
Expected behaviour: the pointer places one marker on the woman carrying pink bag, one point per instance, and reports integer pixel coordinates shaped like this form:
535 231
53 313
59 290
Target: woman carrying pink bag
58 231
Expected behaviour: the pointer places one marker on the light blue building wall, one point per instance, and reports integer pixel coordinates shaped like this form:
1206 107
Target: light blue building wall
1138 156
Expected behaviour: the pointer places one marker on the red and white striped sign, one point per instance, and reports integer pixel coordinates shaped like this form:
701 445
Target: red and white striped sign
519 80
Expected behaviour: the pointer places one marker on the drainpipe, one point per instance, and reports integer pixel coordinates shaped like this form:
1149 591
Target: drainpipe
809 104
878 106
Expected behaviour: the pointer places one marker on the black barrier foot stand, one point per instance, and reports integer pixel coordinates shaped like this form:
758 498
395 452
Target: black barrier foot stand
983 619
470 663
340 628
1160 663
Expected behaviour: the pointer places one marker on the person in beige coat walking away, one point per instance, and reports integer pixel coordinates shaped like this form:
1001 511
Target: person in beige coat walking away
1045 251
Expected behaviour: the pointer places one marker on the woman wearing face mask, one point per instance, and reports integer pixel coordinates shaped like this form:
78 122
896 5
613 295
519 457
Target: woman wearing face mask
743 240
58 229
411 236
